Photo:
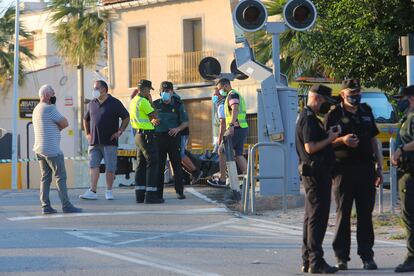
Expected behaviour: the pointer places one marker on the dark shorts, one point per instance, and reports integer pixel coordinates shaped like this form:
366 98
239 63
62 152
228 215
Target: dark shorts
238 139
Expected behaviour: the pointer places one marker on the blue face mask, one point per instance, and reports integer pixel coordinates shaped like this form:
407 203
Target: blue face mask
354 100
165 96
214 99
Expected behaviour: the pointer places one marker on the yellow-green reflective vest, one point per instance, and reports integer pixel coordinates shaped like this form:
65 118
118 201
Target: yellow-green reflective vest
140 119
241 117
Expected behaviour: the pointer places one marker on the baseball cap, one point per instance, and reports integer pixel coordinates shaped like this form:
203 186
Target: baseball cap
145 83
351 84
324 91
167 85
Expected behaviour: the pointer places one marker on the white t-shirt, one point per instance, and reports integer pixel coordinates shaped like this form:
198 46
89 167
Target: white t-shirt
46 130
220 111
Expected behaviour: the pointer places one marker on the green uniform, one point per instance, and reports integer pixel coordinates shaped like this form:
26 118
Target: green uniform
171 115
406 183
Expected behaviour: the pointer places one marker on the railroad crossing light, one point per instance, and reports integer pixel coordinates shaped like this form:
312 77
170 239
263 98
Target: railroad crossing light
209 68
300 15
250 15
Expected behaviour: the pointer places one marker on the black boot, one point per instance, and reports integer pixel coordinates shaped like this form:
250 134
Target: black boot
406 266
140 196
153 198
369 264
322 268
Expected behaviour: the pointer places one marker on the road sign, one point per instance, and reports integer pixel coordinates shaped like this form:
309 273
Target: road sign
26 107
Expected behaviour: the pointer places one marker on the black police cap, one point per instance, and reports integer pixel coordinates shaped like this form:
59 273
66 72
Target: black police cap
323 90
166 85
145 83
351 84
408 91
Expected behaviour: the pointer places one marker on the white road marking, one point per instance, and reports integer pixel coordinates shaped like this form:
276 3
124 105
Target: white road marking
147 261
204 197
125 213
95 236
226 222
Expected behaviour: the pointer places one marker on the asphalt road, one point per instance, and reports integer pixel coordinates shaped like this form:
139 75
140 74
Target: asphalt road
188 237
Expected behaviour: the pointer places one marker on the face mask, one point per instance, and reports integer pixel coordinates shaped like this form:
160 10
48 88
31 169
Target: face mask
165 96
53 100
354 100
214 99
96 93
223 93
403 105
324 108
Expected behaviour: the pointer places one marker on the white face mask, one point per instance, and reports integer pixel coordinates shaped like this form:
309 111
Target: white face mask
96 93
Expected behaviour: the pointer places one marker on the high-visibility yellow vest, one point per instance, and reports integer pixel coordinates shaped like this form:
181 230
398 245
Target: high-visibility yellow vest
241 116
139 108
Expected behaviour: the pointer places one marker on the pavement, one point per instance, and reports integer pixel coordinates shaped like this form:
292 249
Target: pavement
195 236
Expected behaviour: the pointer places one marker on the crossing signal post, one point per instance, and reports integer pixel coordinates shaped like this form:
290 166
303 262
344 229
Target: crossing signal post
277 103
407 50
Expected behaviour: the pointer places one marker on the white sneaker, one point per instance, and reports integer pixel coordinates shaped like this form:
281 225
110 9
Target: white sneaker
109 195
89 195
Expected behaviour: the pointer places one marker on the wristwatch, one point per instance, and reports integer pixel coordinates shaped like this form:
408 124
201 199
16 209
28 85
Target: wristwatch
231 125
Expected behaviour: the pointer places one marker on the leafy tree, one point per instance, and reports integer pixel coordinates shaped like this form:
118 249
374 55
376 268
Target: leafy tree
7 48
79 35
351 39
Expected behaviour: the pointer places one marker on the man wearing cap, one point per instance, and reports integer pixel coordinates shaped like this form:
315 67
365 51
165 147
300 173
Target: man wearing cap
316 156
358 172
403 157
173 119
144 120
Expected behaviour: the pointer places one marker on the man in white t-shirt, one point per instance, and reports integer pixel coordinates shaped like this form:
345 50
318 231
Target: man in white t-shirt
47 123
218 101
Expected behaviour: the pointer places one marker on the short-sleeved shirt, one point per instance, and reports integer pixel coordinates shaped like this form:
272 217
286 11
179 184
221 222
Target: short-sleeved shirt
46 131
220 111
362 124
104 120
406 134
170 115
234 98
186 131
310 129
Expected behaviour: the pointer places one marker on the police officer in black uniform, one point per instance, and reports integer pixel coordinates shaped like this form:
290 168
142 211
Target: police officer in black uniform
173 120
404 158
313 145
357 156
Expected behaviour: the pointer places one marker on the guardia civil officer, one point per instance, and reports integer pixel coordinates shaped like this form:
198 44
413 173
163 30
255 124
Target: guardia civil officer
404 158
316 156
144 120
173 119
359 171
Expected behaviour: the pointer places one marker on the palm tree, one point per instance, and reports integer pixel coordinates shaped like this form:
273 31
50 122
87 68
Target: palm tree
79 35
297 58
7 48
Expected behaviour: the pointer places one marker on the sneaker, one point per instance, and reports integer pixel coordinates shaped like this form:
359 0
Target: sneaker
109 195
217 183
369 264
47 210
89 195
71 209
196 177
406 266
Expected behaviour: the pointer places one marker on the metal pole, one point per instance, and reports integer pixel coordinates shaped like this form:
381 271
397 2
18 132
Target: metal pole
410 70
276 57
15 95
28 154
393 178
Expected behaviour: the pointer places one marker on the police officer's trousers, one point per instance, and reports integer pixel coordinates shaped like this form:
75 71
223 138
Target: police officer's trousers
146 174
317 203
406 189
354 181
169 145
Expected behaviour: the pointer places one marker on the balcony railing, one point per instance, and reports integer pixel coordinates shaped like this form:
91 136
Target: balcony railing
138 70
183 68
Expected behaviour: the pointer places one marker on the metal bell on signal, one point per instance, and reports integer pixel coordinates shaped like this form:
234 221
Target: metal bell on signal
250 15
299 15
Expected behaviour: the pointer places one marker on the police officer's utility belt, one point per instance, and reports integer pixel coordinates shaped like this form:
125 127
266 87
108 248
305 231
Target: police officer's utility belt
146 131
406 162
313 168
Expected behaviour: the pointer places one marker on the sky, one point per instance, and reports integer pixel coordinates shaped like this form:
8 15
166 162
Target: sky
6 3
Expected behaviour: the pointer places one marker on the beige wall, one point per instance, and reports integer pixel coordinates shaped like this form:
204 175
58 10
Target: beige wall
164 24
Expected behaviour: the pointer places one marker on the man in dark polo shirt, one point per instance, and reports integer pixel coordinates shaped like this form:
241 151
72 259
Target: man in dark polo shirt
173 119
102 130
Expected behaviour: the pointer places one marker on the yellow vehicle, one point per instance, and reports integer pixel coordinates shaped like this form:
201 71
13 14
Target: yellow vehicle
384 112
